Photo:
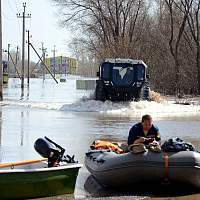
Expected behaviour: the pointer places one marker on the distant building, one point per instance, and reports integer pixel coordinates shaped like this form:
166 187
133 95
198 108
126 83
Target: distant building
62 65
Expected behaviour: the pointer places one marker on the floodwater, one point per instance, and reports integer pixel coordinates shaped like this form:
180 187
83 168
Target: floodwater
71 118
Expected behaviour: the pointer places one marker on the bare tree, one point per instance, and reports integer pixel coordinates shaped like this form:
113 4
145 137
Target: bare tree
176 32
193 21
163 33
111 26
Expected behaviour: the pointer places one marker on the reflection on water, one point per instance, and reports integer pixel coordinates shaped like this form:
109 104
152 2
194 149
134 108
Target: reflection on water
142 190
75 132
22 128
0 128
22 93
43 91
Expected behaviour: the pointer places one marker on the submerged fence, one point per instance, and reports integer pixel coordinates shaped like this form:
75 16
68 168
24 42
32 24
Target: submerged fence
85 84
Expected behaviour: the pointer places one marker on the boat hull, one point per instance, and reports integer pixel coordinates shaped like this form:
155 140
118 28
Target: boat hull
24 184
117 170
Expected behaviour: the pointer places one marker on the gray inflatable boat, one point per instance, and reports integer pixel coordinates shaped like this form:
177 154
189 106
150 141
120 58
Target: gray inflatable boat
116 170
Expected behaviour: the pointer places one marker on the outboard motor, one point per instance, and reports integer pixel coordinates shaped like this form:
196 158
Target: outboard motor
54 152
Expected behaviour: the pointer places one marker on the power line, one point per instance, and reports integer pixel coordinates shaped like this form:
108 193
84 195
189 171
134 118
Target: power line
6 17
43 61
11 6
19 27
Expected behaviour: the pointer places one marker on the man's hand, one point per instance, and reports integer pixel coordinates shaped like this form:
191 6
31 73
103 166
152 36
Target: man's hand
144 139
155 143
150 140
140 140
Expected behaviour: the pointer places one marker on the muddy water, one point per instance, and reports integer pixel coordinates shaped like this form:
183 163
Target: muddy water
73 122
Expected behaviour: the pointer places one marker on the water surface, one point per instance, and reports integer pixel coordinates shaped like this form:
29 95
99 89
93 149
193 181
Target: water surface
73 119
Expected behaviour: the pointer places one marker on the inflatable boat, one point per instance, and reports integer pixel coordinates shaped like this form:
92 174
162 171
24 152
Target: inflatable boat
116 170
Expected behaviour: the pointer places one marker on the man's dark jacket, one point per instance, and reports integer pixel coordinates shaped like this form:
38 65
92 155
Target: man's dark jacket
137 131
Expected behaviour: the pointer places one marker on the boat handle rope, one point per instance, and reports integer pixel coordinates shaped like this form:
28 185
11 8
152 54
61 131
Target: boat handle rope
166 168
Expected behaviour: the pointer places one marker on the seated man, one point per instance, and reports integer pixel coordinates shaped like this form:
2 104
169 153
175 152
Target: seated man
144 132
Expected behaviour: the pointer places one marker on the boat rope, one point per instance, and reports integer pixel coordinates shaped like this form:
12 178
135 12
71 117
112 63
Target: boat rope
166 167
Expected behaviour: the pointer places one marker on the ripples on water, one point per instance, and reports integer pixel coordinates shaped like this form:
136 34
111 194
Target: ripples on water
73 119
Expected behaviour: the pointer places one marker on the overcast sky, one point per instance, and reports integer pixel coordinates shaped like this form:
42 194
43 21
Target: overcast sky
43 26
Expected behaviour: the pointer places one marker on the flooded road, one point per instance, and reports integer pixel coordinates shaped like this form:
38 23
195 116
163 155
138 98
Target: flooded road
74 120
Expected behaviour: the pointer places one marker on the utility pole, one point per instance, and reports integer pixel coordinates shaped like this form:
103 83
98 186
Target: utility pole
14 65
16 58
44 55
35 64
1 69
28 73
43 62
54 60
8 59
24 16
44 50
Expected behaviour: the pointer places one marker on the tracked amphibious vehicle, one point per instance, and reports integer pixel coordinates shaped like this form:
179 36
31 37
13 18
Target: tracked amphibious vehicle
122 80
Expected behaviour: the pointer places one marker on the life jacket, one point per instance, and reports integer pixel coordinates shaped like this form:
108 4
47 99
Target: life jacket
100 144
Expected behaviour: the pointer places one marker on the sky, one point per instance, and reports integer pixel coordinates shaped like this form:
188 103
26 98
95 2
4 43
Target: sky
43 25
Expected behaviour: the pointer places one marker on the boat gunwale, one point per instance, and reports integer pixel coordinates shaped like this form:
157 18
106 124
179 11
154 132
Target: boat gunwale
42 169
146 164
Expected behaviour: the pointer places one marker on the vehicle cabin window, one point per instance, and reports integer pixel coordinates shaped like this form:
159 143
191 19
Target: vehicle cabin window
140 72
105 71
122 74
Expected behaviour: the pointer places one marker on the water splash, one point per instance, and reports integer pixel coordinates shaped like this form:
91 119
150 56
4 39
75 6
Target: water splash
137 109
66 98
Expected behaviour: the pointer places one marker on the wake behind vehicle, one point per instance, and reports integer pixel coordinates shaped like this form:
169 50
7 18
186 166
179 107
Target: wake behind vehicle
122 80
